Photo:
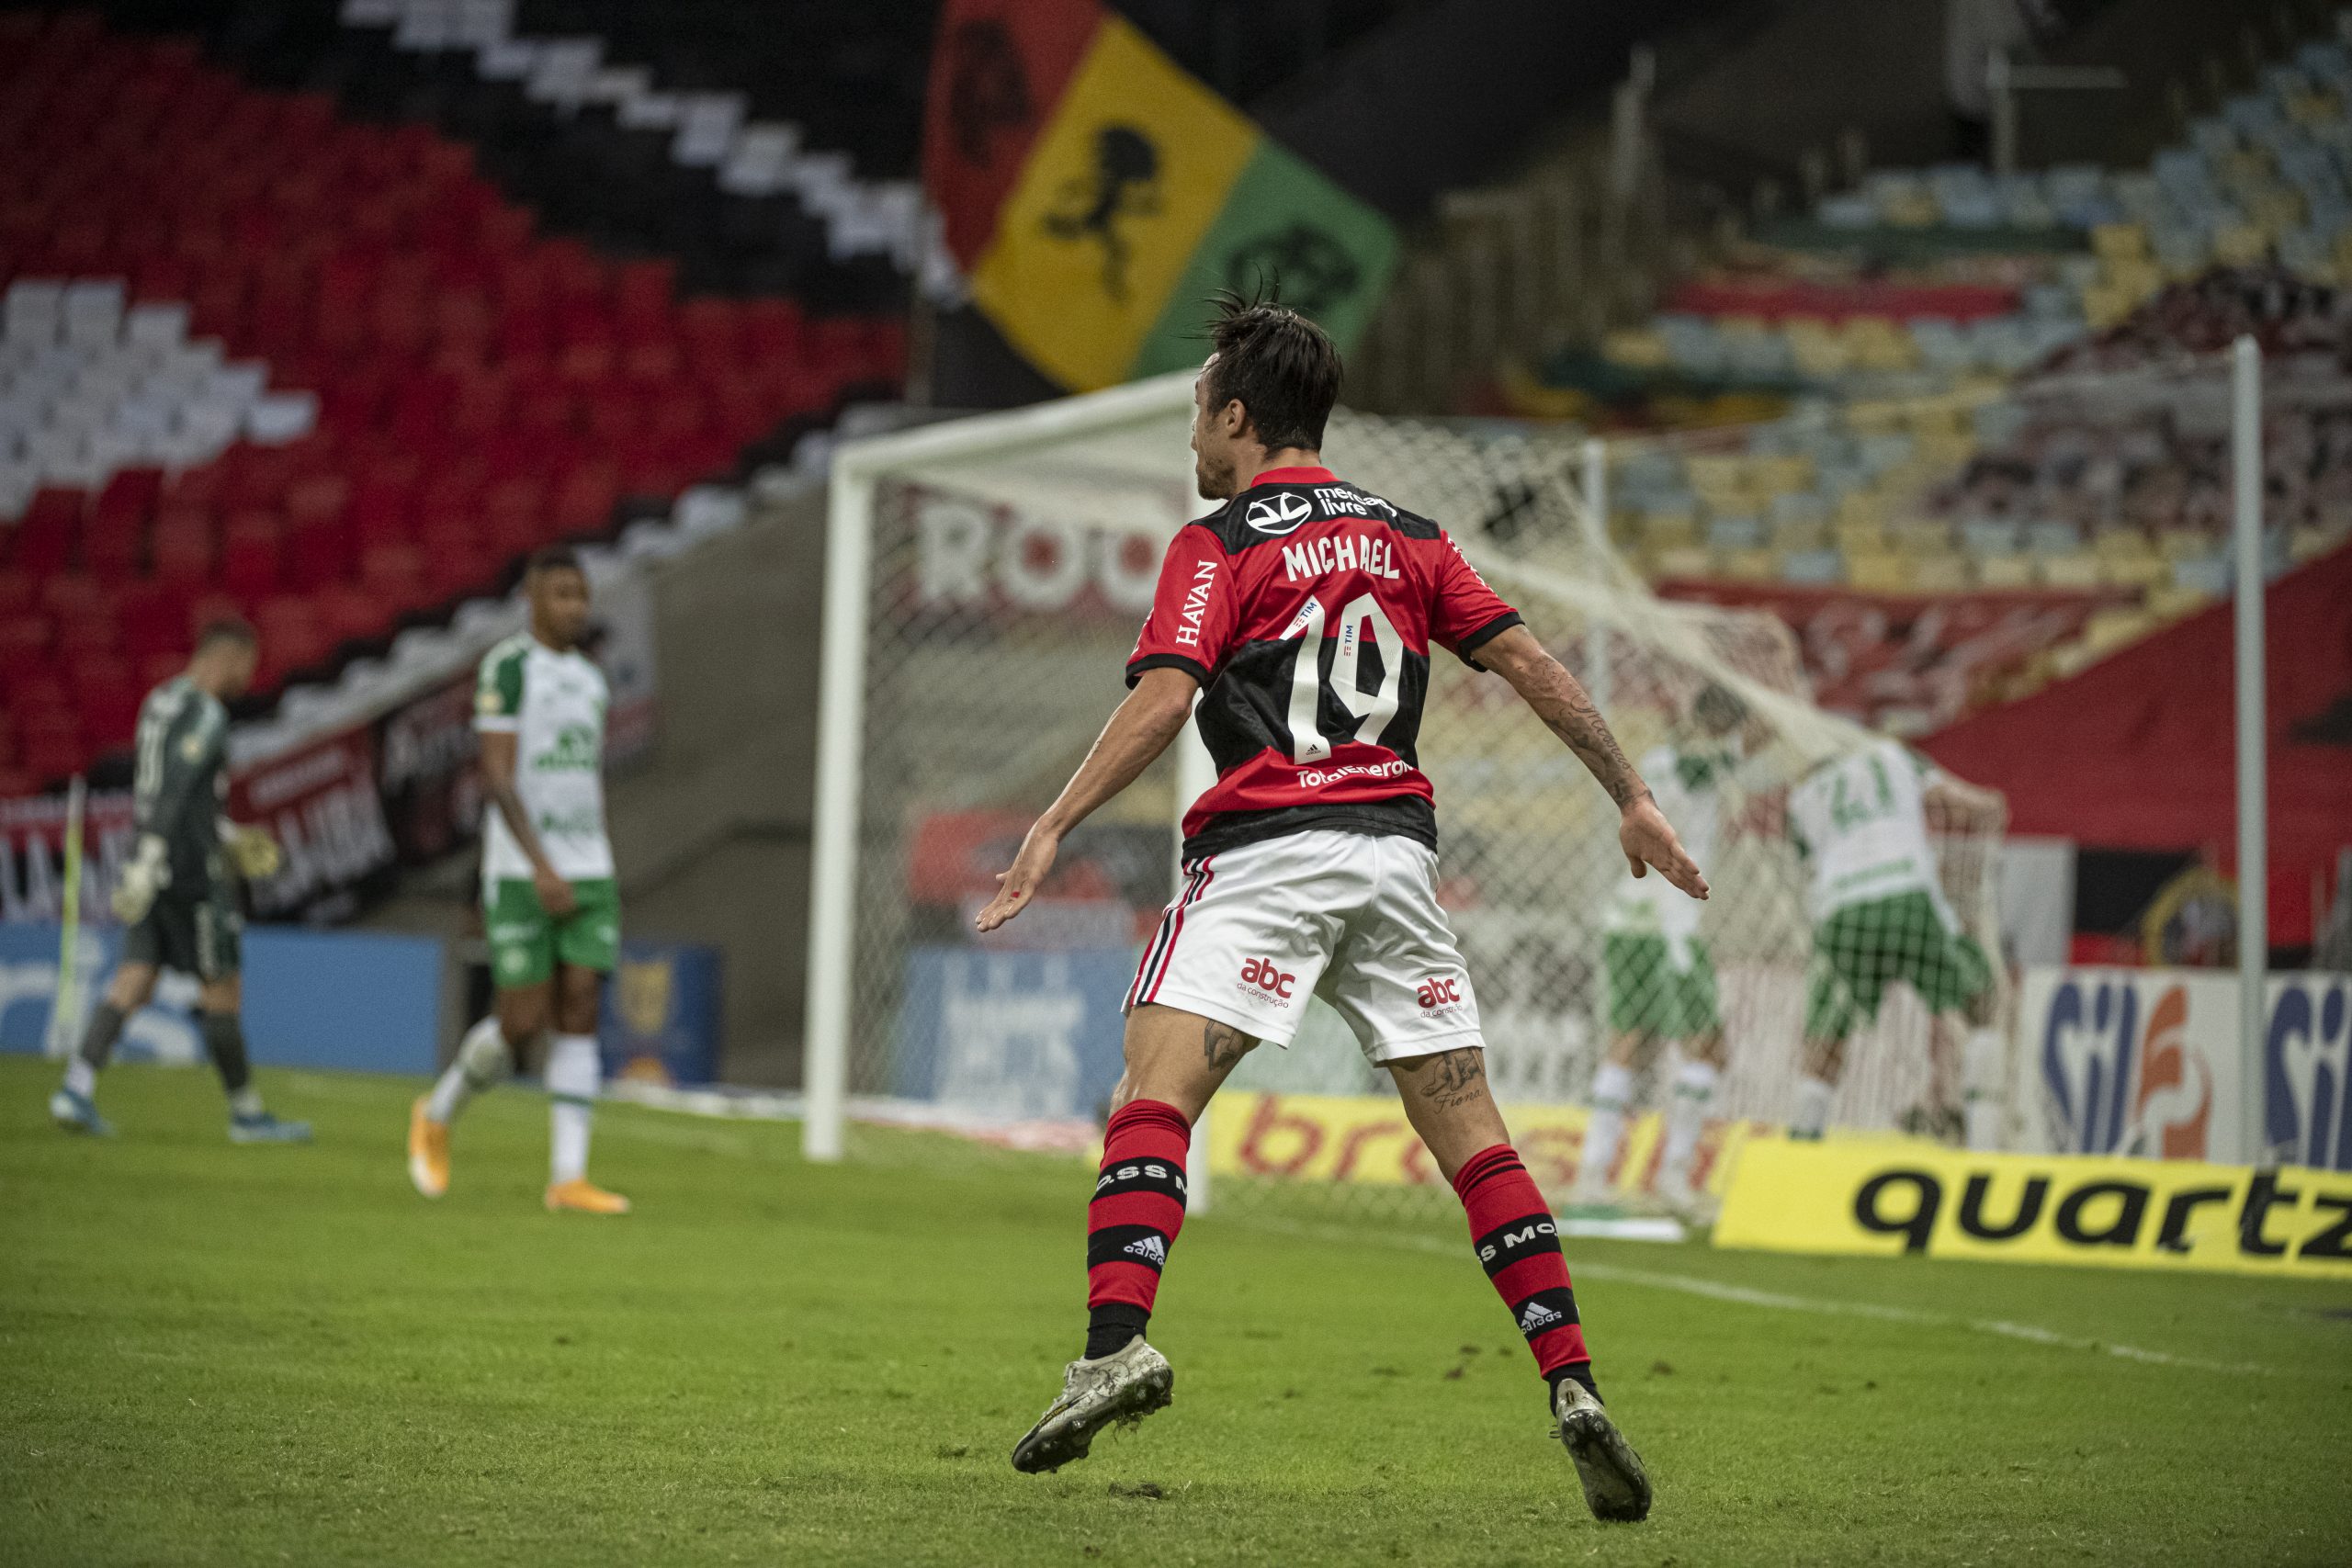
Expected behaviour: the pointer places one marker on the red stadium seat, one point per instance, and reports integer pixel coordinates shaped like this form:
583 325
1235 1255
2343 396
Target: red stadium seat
479 388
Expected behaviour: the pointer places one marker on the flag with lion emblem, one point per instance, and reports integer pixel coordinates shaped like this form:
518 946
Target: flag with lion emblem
1096 195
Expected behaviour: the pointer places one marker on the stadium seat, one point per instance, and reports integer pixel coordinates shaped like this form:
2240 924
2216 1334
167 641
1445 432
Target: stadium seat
268 368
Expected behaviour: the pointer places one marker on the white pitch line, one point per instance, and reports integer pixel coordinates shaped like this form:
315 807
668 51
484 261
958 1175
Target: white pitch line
1745 1295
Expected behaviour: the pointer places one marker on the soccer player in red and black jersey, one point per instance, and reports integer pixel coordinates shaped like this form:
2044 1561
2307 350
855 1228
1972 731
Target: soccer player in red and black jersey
1303 613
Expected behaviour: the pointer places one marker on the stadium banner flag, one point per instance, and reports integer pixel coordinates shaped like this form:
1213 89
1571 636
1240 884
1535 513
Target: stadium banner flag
1096 194
1887 1198
2146 1062
1365 1139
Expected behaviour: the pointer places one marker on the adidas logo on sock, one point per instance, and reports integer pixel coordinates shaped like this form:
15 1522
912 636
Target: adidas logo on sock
1537 1315
1152 1249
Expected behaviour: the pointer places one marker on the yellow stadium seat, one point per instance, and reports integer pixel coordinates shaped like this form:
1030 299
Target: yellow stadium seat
1878 344
2070 570
2005 571
1879 571
1682 560
2144 570
1817 350
1678 533
2241 245
2119 241
1940 573
2169 601
1636 347
2107 630
1861 507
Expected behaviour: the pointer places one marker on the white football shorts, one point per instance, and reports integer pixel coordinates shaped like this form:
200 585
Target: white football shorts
1346 917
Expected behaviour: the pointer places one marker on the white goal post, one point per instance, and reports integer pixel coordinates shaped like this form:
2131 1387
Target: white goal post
951 446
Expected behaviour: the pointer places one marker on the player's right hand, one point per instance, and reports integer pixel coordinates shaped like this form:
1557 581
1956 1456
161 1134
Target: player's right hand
555 894
1648 840
147 874
1017 885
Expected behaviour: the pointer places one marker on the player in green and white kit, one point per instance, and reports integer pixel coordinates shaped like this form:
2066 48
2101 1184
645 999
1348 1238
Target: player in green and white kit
1661 977
1878 906
550 905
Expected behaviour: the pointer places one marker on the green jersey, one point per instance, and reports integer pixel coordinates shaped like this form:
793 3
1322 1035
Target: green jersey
553 703
182 777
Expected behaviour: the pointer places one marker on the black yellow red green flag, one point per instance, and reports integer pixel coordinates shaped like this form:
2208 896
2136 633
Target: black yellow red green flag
1096 195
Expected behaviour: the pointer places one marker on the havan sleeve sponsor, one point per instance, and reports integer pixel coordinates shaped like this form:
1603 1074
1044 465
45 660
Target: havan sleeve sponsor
1190 623
1881 1197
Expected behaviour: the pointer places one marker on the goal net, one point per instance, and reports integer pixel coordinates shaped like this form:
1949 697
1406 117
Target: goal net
986 579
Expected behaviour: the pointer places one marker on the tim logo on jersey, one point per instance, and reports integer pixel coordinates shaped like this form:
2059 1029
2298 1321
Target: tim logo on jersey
1265 977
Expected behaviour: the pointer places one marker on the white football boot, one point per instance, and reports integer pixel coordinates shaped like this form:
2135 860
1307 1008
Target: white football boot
1124 1386
1615 1486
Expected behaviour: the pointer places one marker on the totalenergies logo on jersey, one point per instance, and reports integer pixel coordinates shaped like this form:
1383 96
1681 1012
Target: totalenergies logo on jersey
1315 778
1265 977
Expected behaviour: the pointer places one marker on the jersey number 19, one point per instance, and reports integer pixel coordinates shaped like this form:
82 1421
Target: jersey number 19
1373 710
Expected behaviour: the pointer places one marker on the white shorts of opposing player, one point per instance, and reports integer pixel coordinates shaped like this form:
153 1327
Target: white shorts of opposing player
1351 919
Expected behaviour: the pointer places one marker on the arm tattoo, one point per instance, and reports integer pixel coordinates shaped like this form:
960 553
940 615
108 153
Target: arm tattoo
1456 1076
1222 1045
1562 704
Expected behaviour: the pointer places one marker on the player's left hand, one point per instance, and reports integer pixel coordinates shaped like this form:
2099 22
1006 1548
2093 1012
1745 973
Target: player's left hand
1648 840
1018 884
255 854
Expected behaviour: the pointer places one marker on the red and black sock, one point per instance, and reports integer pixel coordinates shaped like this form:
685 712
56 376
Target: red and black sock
1138 1208
1519 1243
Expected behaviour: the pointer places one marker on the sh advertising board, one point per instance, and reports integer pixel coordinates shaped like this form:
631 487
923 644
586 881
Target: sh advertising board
2147 1062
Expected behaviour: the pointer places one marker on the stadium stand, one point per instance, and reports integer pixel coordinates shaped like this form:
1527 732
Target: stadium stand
1924 274
2002 393
260 358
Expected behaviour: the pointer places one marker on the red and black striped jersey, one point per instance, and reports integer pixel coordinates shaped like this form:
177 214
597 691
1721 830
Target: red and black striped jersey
1307 609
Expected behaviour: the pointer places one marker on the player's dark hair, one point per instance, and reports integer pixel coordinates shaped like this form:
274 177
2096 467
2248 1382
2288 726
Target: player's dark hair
553 557
227 628
1282 368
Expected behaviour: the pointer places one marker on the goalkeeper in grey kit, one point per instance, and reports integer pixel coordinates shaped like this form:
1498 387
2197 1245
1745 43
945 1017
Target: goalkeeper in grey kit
177 895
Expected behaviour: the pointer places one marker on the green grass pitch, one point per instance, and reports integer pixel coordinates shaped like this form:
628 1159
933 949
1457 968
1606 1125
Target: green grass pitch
215 1355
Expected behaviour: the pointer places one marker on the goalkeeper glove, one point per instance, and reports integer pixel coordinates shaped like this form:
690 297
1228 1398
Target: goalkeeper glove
254 853
147 874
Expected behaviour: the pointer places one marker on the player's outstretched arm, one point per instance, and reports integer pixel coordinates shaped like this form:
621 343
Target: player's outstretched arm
1561 702
1139 731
